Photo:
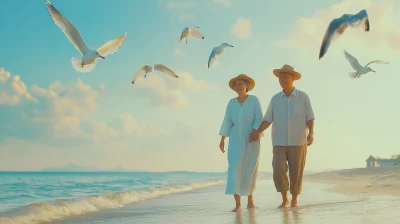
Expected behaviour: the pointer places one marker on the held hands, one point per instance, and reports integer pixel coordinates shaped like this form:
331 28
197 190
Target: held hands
255 136
310 139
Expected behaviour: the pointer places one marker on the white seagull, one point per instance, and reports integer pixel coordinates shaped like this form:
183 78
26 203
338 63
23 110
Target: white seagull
339 25
359 69
193 32
151 68
87 62
217 51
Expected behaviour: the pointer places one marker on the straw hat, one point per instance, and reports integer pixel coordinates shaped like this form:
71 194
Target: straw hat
242 77
287 69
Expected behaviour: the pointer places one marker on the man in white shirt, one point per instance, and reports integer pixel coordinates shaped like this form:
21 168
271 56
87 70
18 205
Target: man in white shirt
292 119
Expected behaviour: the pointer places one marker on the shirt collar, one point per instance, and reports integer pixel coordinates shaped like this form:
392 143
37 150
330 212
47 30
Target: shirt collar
294 93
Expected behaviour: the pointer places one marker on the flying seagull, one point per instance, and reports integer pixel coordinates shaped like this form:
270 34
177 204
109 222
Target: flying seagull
339 25
216 51
193 32
151 68
359 69
86 62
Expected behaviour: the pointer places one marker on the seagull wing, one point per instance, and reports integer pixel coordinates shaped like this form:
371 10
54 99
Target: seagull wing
352 60
138 74
68 28
361 18
377 62
336 27
112 45
195 33
164 69
339 25
212 57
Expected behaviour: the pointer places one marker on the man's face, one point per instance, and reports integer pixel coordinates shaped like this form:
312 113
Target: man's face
286 80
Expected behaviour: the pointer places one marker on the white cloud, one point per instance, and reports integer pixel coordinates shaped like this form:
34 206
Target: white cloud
186 16
181 8
180 53
224 2
128 126
167 92
65 106
62 114
242 28
321 78
131 152
56 111
12 89
58 129
181 4
309 32
4 76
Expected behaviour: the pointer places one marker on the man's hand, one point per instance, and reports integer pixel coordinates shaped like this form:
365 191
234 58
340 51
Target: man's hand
310 139
255 136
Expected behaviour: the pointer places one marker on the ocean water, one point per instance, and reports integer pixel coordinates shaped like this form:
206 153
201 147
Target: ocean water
210 205
36 197
174 198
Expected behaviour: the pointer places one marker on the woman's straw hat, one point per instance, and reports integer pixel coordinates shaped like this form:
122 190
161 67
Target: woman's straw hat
242 77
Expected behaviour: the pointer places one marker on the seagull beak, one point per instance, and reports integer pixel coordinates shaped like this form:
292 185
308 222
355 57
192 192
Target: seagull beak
373 71
102 57
230 45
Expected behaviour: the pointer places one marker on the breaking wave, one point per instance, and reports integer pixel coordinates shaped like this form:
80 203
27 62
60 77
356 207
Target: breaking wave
61 208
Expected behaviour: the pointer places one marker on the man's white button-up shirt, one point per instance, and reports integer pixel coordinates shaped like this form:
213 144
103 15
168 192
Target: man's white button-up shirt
289 117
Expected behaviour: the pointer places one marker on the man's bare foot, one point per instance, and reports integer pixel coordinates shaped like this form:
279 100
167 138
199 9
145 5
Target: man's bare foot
284 203
237 209
250 205
293 203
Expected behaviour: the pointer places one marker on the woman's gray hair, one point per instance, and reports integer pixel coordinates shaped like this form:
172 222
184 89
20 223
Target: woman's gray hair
247 84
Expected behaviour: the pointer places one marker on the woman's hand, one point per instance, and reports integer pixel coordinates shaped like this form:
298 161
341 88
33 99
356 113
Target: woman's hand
254 136
222 146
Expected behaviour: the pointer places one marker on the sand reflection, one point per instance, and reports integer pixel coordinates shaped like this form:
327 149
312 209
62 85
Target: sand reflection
290 215
248 216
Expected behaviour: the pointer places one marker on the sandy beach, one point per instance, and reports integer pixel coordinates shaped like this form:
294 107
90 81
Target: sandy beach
210 205
346 196
361 181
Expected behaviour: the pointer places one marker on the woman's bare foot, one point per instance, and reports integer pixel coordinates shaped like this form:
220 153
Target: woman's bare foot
237 209
250 202
250 205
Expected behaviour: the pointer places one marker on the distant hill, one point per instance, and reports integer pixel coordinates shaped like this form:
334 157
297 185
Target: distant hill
71 167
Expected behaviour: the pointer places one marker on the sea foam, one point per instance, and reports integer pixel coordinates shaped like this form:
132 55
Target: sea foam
61 208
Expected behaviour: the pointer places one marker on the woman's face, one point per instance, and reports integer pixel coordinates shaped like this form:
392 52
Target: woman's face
240 87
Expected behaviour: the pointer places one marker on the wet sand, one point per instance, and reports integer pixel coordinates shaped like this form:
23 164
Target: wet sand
210 205
361 181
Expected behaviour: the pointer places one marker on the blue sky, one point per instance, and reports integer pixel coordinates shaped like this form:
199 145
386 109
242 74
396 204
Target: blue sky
53 115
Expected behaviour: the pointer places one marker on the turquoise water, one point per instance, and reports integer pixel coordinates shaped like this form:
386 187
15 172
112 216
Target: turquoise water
29 196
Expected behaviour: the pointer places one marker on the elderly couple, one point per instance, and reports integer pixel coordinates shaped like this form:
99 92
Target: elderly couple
292 119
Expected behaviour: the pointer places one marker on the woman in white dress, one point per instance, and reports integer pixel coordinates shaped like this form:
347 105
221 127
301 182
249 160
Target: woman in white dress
243 115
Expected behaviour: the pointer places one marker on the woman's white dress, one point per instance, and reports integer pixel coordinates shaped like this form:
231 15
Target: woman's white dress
243 156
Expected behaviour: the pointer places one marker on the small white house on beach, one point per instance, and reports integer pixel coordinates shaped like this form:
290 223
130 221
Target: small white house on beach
376 162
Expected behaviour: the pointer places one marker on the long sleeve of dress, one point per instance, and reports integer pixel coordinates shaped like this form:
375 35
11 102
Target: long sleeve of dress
227 123
258 116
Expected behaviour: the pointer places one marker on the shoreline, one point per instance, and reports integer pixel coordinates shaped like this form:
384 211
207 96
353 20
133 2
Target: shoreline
360 181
